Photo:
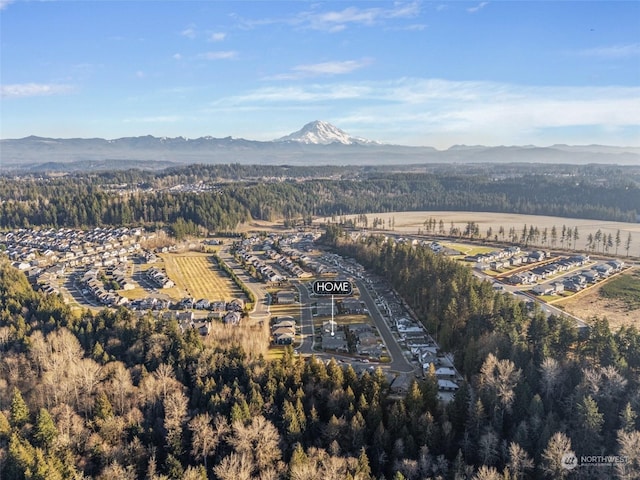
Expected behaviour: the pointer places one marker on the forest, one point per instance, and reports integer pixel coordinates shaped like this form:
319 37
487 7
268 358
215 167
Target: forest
115 395
234 194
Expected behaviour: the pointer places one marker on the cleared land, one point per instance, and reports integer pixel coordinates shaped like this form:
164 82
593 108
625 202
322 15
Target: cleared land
621 307
197 275
409 222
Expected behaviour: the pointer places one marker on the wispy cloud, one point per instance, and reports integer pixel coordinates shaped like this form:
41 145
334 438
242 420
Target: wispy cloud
22 90
217 36
476 111
5 3
338 20
189 32
478 7
613 51
322 69
296 95
219 55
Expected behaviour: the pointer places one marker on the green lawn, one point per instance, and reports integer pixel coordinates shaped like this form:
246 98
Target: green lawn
468 249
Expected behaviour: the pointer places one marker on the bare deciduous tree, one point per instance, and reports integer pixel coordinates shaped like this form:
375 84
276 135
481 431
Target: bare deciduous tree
558 448
519 461
235 467
629 443
203 438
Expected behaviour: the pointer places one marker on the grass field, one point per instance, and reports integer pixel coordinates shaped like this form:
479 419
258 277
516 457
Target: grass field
468 249
626 288
196 275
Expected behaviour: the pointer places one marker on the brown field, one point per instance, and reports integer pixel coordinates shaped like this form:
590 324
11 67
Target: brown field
409 222
589 304
197 276
254 339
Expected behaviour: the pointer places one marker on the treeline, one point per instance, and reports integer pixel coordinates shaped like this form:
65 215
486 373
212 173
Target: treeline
68 205
77 201
229 271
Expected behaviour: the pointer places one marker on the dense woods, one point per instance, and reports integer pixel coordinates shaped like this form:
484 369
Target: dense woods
219 198
114 395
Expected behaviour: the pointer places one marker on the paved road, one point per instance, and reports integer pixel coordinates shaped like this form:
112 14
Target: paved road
306 320
399 362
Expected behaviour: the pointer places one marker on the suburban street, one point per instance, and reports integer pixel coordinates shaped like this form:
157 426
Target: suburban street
399 363
306 321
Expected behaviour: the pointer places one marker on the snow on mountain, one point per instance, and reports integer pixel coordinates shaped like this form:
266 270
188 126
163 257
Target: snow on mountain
323 133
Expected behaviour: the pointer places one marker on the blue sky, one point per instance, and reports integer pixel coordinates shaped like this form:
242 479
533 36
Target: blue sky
411 73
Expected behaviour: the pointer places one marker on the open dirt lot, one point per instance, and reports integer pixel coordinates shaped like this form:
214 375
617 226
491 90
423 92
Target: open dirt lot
409 222
197 275
590 304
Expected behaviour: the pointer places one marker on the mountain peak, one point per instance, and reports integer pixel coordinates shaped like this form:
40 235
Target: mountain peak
323 133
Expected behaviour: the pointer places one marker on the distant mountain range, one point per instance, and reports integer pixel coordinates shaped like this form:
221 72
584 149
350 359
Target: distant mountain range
317 143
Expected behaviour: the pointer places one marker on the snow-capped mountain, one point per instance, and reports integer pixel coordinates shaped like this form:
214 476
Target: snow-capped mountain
323 133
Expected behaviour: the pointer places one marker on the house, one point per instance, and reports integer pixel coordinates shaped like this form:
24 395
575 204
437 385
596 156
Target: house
219 306
537 256
604 269
232 318
335 342
282 331
203 327
616 265
352 306
359 328
401 384
367 339
236 305
284 323
202 304
186 317
445 373
286 297
447 386
543 289
591 275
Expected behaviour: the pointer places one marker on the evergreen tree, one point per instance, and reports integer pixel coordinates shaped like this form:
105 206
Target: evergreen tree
19 411
46 431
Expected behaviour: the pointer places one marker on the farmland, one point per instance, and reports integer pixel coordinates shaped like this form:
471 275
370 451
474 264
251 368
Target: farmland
196 275
410 222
